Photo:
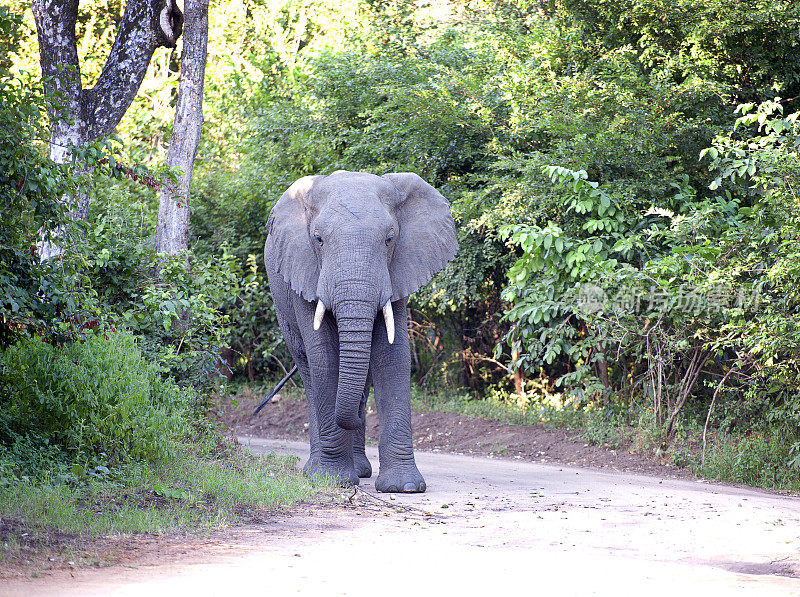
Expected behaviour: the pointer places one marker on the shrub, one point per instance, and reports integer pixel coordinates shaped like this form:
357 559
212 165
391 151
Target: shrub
758 459
97 401
174 305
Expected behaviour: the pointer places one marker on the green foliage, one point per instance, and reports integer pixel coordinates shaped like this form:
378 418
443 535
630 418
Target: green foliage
739 48
566 136
31 186
87 405
557 261
758 459
622 96
11 33
254 332
174 305
692 302
53 298
763 170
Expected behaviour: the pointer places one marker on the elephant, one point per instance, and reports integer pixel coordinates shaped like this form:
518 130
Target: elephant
343 253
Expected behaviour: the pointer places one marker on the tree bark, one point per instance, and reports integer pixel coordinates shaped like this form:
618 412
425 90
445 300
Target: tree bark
79 115
61 73
172 225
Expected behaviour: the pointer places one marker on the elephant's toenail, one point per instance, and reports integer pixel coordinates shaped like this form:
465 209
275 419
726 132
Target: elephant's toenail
408 487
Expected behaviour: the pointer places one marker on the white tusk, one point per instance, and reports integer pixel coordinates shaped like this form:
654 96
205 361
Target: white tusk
388 317
319 314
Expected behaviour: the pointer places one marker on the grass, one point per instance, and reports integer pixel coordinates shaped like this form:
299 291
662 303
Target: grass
458 402
95 441
758 459
498 409
52 523
190 494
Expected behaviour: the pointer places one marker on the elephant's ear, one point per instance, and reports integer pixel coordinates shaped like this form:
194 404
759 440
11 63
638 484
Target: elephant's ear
288 242
426 240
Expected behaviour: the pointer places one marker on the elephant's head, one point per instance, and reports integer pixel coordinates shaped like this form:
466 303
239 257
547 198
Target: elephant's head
352 243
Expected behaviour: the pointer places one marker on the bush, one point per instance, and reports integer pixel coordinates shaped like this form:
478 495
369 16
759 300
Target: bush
175 306
759 459
673 304
32 294
92 403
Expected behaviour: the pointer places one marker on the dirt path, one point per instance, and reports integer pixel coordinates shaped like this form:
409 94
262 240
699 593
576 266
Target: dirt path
458 434
490 526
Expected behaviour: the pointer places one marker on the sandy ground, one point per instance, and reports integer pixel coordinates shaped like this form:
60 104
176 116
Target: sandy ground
490 526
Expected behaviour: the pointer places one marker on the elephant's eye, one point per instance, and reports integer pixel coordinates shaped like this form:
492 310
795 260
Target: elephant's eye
389 240
318 238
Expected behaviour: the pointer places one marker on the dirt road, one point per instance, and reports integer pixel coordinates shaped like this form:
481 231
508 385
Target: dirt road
495 527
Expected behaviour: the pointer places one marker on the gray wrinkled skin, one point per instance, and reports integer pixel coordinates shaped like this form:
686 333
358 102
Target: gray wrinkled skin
356 241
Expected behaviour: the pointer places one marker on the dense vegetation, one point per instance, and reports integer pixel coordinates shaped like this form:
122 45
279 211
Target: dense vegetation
624 178
105 383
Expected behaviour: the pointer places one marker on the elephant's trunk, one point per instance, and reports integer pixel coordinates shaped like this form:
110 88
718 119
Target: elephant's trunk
355 318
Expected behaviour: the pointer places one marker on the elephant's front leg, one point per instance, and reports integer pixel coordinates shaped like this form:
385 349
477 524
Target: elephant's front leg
391 378
361 464
334 457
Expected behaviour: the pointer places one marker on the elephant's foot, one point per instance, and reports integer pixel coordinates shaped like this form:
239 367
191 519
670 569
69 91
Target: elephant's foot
339 472
400 478
362 465
311 465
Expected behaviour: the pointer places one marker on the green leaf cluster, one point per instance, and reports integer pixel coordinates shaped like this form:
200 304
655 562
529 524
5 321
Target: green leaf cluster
86 407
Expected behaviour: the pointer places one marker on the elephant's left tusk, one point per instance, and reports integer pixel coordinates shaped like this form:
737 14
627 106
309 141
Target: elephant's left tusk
388 317
319 314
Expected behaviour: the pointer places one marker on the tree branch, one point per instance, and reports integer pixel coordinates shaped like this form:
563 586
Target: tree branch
146 25
708 416
86 114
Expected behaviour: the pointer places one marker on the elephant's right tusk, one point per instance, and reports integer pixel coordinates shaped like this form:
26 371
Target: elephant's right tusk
388 317
319 314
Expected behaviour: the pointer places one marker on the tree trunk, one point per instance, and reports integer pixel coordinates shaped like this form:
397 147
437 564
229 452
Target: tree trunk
58 57
79 115
172 226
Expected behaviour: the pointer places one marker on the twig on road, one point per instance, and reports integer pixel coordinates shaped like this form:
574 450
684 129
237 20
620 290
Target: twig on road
399 507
